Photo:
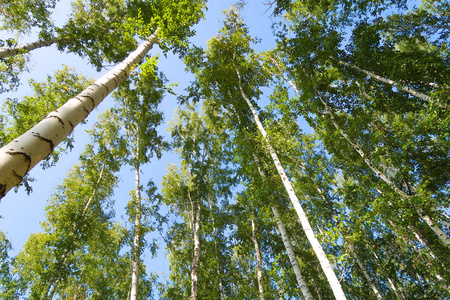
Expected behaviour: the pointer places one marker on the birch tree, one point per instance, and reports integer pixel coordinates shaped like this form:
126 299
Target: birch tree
234 41
76 222
200 183
22 154
138 117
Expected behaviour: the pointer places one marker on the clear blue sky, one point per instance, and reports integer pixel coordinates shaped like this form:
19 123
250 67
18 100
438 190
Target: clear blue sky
21 213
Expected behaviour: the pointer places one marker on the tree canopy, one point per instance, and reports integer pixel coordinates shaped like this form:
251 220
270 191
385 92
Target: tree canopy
315 168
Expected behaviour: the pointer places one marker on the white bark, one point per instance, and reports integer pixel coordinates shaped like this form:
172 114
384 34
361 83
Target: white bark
398 293
318 250
135 252
219 275
8 52
366 274
196 259
293 259
22 154
389 81
439 232
258 261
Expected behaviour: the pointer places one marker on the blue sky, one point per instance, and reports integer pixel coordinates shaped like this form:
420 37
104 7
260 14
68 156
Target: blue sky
21 213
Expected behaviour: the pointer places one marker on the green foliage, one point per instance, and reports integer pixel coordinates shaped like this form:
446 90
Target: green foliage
23 15
48 96
10 68
7 283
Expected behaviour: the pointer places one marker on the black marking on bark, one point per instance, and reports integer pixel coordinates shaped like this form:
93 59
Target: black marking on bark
99 86
116 80
90 98
59 120
71 125
26 157
2 190
76 97
48 141
17 175
107 89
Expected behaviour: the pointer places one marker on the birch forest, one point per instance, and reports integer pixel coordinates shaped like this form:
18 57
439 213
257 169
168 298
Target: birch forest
311 161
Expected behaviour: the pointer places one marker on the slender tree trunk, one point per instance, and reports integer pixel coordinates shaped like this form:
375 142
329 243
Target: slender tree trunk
258 261
398 293
375 289
324 262
8 52
439 232
196 258
219 275
288 245
389 81
293 259
23 153
135 252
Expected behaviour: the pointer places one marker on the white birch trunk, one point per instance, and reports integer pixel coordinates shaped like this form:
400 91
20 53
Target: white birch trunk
196 258
396 291
135 252
366 274
23 153
389 81
258 261
219 275
293 259
288 245
8 52
318 250
439 232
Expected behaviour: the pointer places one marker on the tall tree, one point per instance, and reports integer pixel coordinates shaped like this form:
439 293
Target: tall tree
18 157
226 55
138 117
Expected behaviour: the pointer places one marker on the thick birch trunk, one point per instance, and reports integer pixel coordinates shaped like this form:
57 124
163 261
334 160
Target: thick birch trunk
22 154
8 52
389 81
318 250
258 261
137 237
196 258
293 259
